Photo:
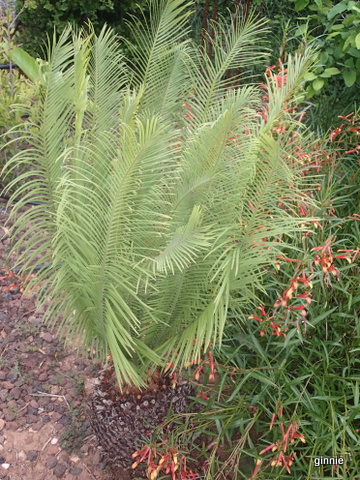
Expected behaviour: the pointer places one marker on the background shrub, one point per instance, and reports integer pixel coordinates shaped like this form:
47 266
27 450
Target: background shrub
16 94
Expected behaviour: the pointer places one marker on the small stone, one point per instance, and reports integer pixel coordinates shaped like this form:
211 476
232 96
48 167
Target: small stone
43 401
5 466
2 376
47 337
12 405
59 408
11 376
2 424
42 377
21 403
11 425
7 385
31 419
2 439
9 417
52 449
21 455
74 458
59 470
37 426
31 410
75 471
65 420
34 404
97 458
6 296
56 416
54 441
16 392
51 462
32 455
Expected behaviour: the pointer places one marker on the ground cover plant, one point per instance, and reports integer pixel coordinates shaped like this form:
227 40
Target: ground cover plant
173 206
15 89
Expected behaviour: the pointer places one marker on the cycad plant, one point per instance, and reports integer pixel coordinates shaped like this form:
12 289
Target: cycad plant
159 185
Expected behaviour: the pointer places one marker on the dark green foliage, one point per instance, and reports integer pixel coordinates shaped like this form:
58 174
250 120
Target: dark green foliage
39 18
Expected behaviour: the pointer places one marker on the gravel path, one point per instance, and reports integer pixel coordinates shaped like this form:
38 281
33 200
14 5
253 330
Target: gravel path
44 434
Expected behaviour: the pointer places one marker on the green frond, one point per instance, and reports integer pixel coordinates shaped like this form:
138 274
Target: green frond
235 47
157 226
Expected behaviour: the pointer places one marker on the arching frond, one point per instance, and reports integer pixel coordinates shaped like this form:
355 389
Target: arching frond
156 226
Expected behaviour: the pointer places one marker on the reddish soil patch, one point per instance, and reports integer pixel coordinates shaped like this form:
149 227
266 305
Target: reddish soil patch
44 432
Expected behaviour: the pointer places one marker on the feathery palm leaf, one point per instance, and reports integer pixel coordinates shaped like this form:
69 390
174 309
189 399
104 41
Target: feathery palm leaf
156 227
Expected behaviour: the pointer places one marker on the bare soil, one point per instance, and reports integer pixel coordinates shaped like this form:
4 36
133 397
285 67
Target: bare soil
44 389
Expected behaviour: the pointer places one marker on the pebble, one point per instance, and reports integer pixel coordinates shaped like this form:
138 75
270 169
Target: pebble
54 441
51 461
59 408
59 470
47 337
37 426
2 439
9 417
11 425
75 471
11 377
65 420
96 457
31 410
43 401
5 466
56 416
7 385
52 449
31 418
12 404
34 404
32 455
21 455
2 424
16 392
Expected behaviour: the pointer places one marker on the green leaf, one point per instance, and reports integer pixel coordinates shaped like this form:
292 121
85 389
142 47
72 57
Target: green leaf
26 63
336 9
310 76
349 77
357 41
318 84
329 72
300 5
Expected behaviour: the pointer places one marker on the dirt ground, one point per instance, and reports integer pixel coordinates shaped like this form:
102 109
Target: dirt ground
44 388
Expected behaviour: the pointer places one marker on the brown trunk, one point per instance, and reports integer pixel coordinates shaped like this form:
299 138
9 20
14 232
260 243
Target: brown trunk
123 421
